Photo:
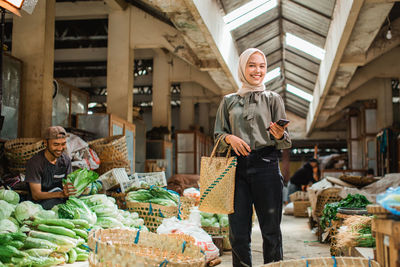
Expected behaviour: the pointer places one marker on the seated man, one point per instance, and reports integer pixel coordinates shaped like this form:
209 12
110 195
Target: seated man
46 170
303 177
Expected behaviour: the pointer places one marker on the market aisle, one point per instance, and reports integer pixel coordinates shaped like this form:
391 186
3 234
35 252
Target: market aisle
295 231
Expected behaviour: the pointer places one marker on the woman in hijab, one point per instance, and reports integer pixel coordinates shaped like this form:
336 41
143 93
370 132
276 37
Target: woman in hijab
246 121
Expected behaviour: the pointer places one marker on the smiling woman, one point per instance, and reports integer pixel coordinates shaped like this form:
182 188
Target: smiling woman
242 121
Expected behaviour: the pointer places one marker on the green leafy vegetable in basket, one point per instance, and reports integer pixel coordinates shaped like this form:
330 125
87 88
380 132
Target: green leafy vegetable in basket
351 201
154 195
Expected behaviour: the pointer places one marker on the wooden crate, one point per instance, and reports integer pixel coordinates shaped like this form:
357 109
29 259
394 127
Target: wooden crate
300 208
387 234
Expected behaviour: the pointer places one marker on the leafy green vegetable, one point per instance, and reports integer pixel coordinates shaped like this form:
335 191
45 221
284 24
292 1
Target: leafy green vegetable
6 209
109 222
154 194
7 226
26 210
9 196
81 178
351 201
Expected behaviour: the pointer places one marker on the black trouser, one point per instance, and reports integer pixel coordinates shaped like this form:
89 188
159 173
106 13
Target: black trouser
259 182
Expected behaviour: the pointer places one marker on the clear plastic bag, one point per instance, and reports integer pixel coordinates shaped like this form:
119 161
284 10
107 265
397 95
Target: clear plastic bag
390 199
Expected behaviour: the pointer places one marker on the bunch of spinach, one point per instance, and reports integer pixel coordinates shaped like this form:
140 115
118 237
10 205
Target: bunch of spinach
330 209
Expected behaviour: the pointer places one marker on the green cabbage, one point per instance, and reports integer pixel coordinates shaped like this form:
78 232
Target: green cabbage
7 226
46 214
223 220
10 196
6 209
26 210
108 222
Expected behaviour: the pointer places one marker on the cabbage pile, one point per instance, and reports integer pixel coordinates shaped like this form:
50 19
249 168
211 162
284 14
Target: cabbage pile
214 220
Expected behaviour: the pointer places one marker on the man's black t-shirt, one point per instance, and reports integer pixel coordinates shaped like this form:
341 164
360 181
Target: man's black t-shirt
40 171
303 176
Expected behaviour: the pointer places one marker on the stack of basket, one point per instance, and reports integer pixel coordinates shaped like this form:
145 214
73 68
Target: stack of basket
300 203
115 247
19 151
152 214
113 153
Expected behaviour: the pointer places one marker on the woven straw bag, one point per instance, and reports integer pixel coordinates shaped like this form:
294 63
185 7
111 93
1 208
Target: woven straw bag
217 182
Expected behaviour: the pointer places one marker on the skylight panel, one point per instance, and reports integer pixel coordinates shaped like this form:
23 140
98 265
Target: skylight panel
305 46
272 74
298 92
248 12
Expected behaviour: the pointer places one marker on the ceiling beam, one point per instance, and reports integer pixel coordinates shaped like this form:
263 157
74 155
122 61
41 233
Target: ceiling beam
305 89
116 4
343 20
300 71
80 10
306 34
380 46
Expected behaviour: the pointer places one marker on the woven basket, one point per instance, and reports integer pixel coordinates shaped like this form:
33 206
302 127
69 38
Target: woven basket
110 149
300 208
152 214
19 151
212 231
329 195
319 262
299 195
186 204
105 166
357 180
123 248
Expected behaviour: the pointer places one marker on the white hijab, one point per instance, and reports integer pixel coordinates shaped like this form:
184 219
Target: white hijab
246 86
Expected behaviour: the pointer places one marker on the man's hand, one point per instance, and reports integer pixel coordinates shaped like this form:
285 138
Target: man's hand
239 146
69 190
276 130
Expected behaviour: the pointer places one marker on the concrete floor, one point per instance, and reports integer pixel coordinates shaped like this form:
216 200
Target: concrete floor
296 236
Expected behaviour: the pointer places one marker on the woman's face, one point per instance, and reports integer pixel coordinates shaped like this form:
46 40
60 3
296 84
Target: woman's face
255 69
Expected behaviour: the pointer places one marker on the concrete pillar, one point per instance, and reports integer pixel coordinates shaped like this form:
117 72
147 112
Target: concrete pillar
204 120
33 43
186 112
161 112
120 65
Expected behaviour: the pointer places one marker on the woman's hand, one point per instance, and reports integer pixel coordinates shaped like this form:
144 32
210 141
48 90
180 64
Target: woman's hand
239 146
276 130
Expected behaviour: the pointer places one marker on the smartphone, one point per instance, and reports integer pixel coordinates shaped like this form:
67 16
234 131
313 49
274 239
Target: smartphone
281 122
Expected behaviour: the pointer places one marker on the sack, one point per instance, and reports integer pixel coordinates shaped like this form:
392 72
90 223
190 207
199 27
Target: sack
217 182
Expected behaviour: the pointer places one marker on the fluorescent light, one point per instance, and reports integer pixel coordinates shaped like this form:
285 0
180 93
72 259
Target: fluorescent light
248 12
296 91
272 74
304 46
90 112
396 99
92 105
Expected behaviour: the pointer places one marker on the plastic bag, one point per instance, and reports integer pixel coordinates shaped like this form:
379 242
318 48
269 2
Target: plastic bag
389 199
202 239
192 193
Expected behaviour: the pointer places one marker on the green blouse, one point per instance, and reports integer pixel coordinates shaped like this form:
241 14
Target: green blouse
248 117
